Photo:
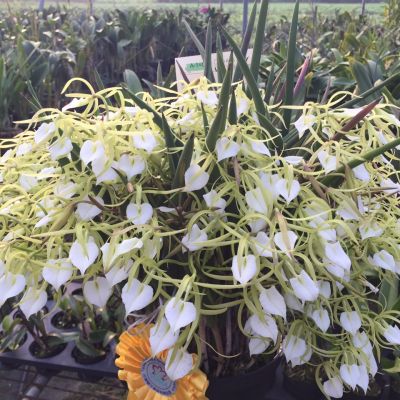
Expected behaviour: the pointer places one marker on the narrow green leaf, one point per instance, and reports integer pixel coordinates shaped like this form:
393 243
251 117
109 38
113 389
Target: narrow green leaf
208 72
232 116
269 84
246 41
184 76
259 38
290 67
205 120
218 124
159 80
251 82
170 144
221 70
373 90
195 40
183 164
132 81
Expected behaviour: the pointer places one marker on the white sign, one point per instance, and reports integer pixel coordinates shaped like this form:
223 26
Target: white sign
193 66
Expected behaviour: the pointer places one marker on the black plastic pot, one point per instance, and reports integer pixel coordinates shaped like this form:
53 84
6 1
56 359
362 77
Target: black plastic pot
302 390
251 386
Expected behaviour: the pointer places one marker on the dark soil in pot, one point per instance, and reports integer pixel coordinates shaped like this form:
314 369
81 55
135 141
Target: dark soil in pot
300 384
253 385
64 320
82 358
395 389
50 350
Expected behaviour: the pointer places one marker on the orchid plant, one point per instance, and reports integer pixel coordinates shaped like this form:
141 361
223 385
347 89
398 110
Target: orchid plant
240 229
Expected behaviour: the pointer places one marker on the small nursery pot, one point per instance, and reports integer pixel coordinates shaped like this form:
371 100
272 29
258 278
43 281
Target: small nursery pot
253 385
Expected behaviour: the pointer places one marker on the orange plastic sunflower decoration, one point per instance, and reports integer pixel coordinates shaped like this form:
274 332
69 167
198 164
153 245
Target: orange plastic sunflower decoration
146 375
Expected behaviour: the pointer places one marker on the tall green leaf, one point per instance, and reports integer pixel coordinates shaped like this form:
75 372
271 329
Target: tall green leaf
132 81
221 70
290 67
183 164
196 41
208 72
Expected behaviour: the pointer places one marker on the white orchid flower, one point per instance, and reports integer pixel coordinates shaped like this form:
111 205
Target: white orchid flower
333 388
269 182
304 123
305 358
47 173
131 165
273 302
389 186
213 200
285 241
369 230
242 105
75 103
92 150
57 272
103 171
288 189
384 260
328 162
195 178
324 289
97 291
23 149
207 97
350 374
11 285
294 347
136 295
294 160
118 273
46 212
178 364
65 190
263 244
145 140
258 201
179 313
162 337
139 214
226 148
86 210
33 301
360 340
192 241
304 287
392 334
60 148
258 345
44 132
244 268
151 247
361 173
350 321
27 182
83 255
111 252
337 256
293 302
258 147
348 210
132 111
265 327
321 318
257 225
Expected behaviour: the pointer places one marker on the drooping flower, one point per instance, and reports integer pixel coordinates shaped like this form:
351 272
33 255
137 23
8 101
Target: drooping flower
263 244
336 255
97 291
392 334
44 132
350 321
83 255
304 123
145 140
273 302
179 313
57 272
288 189
207 97
294 348
139 214
265 326
244 268
33 301
361 173
213 200
131 165
226 148
87 210
328 162
350 374
192 241
178 364
333 388
136 295
112 251
384 260
285 241
118 273
11 285
321 318
369 230
195 178
162 337
92 150
258 201
60 148
158 377
304 287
